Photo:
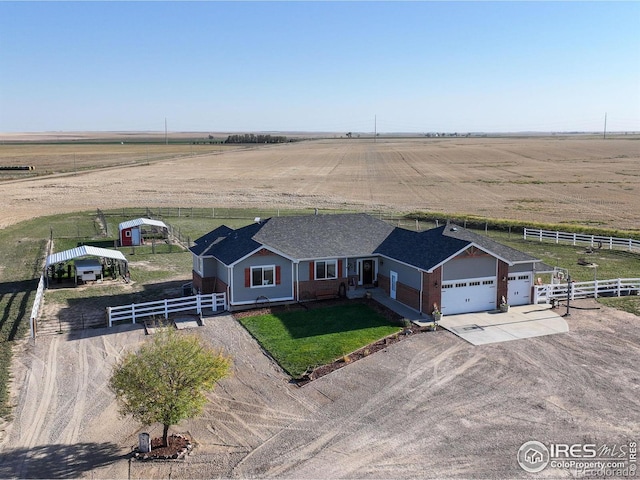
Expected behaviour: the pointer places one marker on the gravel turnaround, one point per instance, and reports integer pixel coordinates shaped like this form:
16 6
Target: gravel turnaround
431 406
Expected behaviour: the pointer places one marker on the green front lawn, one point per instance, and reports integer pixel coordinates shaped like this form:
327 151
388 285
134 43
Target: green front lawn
303 339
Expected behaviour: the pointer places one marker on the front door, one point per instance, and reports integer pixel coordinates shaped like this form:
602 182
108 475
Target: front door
135 236
367 272
394 284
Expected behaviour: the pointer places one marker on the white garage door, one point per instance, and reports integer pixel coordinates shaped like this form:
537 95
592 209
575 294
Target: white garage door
519 289
471 295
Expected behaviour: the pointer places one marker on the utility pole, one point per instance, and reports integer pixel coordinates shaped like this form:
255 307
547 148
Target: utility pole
375 128
166 138
604 135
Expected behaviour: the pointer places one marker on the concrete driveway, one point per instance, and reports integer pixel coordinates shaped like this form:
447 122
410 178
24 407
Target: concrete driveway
519 322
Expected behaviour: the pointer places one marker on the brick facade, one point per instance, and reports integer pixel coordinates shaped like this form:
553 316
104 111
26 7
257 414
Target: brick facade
432 290
310 290
503 273
208 284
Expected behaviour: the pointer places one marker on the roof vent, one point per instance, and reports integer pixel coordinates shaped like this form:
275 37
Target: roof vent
454 229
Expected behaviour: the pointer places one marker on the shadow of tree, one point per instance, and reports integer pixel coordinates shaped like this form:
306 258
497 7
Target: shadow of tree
57 461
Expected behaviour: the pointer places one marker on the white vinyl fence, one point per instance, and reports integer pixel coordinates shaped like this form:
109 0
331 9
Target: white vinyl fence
615 287
593 241
197 303
36 307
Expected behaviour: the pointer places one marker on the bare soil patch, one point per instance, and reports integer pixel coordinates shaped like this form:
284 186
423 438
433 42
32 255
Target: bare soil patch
430 406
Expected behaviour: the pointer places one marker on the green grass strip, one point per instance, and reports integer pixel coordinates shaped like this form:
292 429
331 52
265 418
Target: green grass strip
303 339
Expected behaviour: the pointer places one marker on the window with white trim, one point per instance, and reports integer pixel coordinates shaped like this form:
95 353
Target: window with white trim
326 270
263 276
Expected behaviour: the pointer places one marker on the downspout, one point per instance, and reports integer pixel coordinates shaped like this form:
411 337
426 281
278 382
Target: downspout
297 282
421 289
229 289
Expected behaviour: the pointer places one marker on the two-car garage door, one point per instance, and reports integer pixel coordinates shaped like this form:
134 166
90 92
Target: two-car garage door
480 294
470 295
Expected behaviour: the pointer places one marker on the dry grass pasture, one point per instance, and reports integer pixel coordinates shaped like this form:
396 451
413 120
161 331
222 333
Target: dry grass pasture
575 179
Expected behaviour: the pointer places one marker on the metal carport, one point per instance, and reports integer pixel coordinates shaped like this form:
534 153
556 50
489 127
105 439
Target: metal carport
84 251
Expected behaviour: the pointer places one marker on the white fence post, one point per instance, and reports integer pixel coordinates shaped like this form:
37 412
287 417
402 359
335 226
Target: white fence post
167 306
575 238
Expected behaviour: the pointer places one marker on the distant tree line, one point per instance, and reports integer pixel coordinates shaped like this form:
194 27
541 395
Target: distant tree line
252 138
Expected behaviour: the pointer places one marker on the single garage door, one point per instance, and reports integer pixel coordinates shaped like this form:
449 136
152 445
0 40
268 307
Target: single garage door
470 295
519 289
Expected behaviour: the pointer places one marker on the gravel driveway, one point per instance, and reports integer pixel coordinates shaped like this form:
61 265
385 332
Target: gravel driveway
430 406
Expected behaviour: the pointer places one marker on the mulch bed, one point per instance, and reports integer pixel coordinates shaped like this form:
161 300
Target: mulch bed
370 349
177 447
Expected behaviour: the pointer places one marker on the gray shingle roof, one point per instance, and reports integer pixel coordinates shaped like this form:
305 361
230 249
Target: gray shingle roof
420 249
324 236
507 253
227 245
347 235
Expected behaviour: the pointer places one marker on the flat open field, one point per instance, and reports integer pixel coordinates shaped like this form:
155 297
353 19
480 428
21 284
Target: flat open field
549 179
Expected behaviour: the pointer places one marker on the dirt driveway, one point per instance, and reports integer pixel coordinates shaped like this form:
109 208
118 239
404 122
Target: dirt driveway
430 406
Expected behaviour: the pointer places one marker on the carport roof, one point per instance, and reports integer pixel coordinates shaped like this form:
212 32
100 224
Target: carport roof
84 251
142 221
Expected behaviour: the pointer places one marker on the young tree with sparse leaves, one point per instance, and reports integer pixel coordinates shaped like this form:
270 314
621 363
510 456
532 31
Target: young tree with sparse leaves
166 380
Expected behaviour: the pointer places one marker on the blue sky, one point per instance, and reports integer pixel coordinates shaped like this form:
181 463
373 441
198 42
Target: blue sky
319 66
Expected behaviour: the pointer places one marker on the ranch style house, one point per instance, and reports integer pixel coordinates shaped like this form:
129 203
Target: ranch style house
299 258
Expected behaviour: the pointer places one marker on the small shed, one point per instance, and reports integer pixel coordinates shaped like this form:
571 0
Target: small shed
88 270
131 233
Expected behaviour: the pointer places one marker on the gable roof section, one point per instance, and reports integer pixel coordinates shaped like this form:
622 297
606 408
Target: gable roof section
420 249
228 245
510 255
211 238
431 248
324 236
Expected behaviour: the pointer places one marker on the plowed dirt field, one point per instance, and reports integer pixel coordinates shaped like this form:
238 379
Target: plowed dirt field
547 179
